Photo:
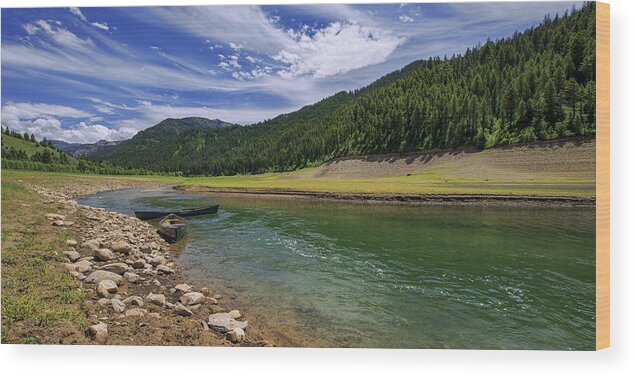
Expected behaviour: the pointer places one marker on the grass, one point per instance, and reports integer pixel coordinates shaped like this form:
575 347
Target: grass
38 295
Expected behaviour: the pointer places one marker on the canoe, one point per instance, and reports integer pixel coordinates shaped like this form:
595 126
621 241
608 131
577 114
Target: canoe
172 228
150 215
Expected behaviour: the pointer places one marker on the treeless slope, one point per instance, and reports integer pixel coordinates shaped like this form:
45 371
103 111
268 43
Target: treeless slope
550 160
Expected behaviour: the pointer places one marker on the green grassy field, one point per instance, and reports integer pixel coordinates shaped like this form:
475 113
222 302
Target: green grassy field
29 147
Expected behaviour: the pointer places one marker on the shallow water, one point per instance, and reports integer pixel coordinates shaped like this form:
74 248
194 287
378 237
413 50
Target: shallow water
343 274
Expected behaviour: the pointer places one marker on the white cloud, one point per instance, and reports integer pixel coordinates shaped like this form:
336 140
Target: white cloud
103 26
336 49
76 11
405 18
36 110
58 34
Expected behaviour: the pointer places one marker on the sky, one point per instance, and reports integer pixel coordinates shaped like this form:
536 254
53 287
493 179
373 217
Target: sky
89 74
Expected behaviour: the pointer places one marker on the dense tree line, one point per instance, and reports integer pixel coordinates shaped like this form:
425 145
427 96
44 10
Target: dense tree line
535 85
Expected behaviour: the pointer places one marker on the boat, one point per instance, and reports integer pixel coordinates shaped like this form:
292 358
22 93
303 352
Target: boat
150 215
172 228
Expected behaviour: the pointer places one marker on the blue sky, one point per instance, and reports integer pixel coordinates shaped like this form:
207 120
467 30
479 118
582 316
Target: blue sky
86 74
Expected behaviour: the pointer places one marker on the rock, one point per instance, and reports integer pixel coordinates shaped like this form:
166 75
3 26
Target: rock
224 323
59 223
131 277
117 305
78 275
133 301
121 247
52 216
117 267
89 246
182 310
134 312
68 223
217 296
154 315
157 260
183 288
192 298
212 300
169 305
100 275
103 302
206 291
217 309
139 264
106 287
235 314
104 254
83 266
71 242
72 255
99 332
158 299
236 335
164 269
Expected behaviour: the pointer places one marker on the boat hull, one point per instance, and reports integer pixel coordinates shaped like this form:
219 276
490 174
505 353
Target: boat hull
150 215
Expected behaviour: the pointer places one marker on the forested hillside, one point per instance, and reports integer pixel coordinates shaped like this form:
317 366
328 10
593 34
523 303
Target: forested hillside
535 85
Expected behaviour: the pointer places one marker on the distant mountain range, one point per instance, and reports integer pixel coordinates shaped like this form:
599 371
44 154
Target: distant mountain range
83 150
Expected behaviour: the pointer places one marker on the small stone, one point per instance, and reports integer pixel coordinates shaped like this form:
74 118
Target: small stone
183 288
117 267
103 302
100 275
71 242
236 335
218 296
134 312
72 255
192 298
133 301
169 305
235 314
139 264
106 287
104 254
212 300
131 277
52 216
182 310
158 299
117 305
121 247
206 291
78 275
154 315
217 309
99 332
164 269
59 223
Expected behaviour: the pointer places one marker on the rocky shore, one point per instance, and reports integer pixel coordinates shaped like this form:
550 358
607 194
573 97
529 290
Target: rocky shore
135 292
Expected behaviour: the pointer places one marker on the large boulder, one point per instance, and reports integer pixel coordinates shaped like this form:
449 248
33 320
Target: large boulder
106 287
192 298
223 322
99 332
158 299
104 254
100 275
117 267
90 246
72 255
121 246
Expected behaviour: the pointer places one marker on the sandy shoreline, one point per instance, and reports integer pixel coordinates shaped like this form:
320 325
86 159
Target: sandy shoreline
407 199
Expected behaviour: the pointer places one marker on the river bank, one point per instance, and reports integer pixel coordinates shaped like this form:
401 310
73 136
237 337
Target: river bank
406 199
76 274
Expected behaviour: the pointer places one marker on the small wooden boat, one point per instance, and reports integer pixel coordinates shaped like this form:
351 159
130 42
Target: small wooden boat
150 215
172 228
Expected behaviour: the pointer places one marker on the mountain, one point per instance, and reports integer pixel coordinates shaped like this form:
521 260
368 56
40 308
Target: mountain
83 150
535 85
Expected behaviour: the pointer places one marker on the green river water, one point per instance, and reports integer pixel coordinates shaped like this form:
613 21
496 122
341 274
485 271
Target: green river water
317 273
